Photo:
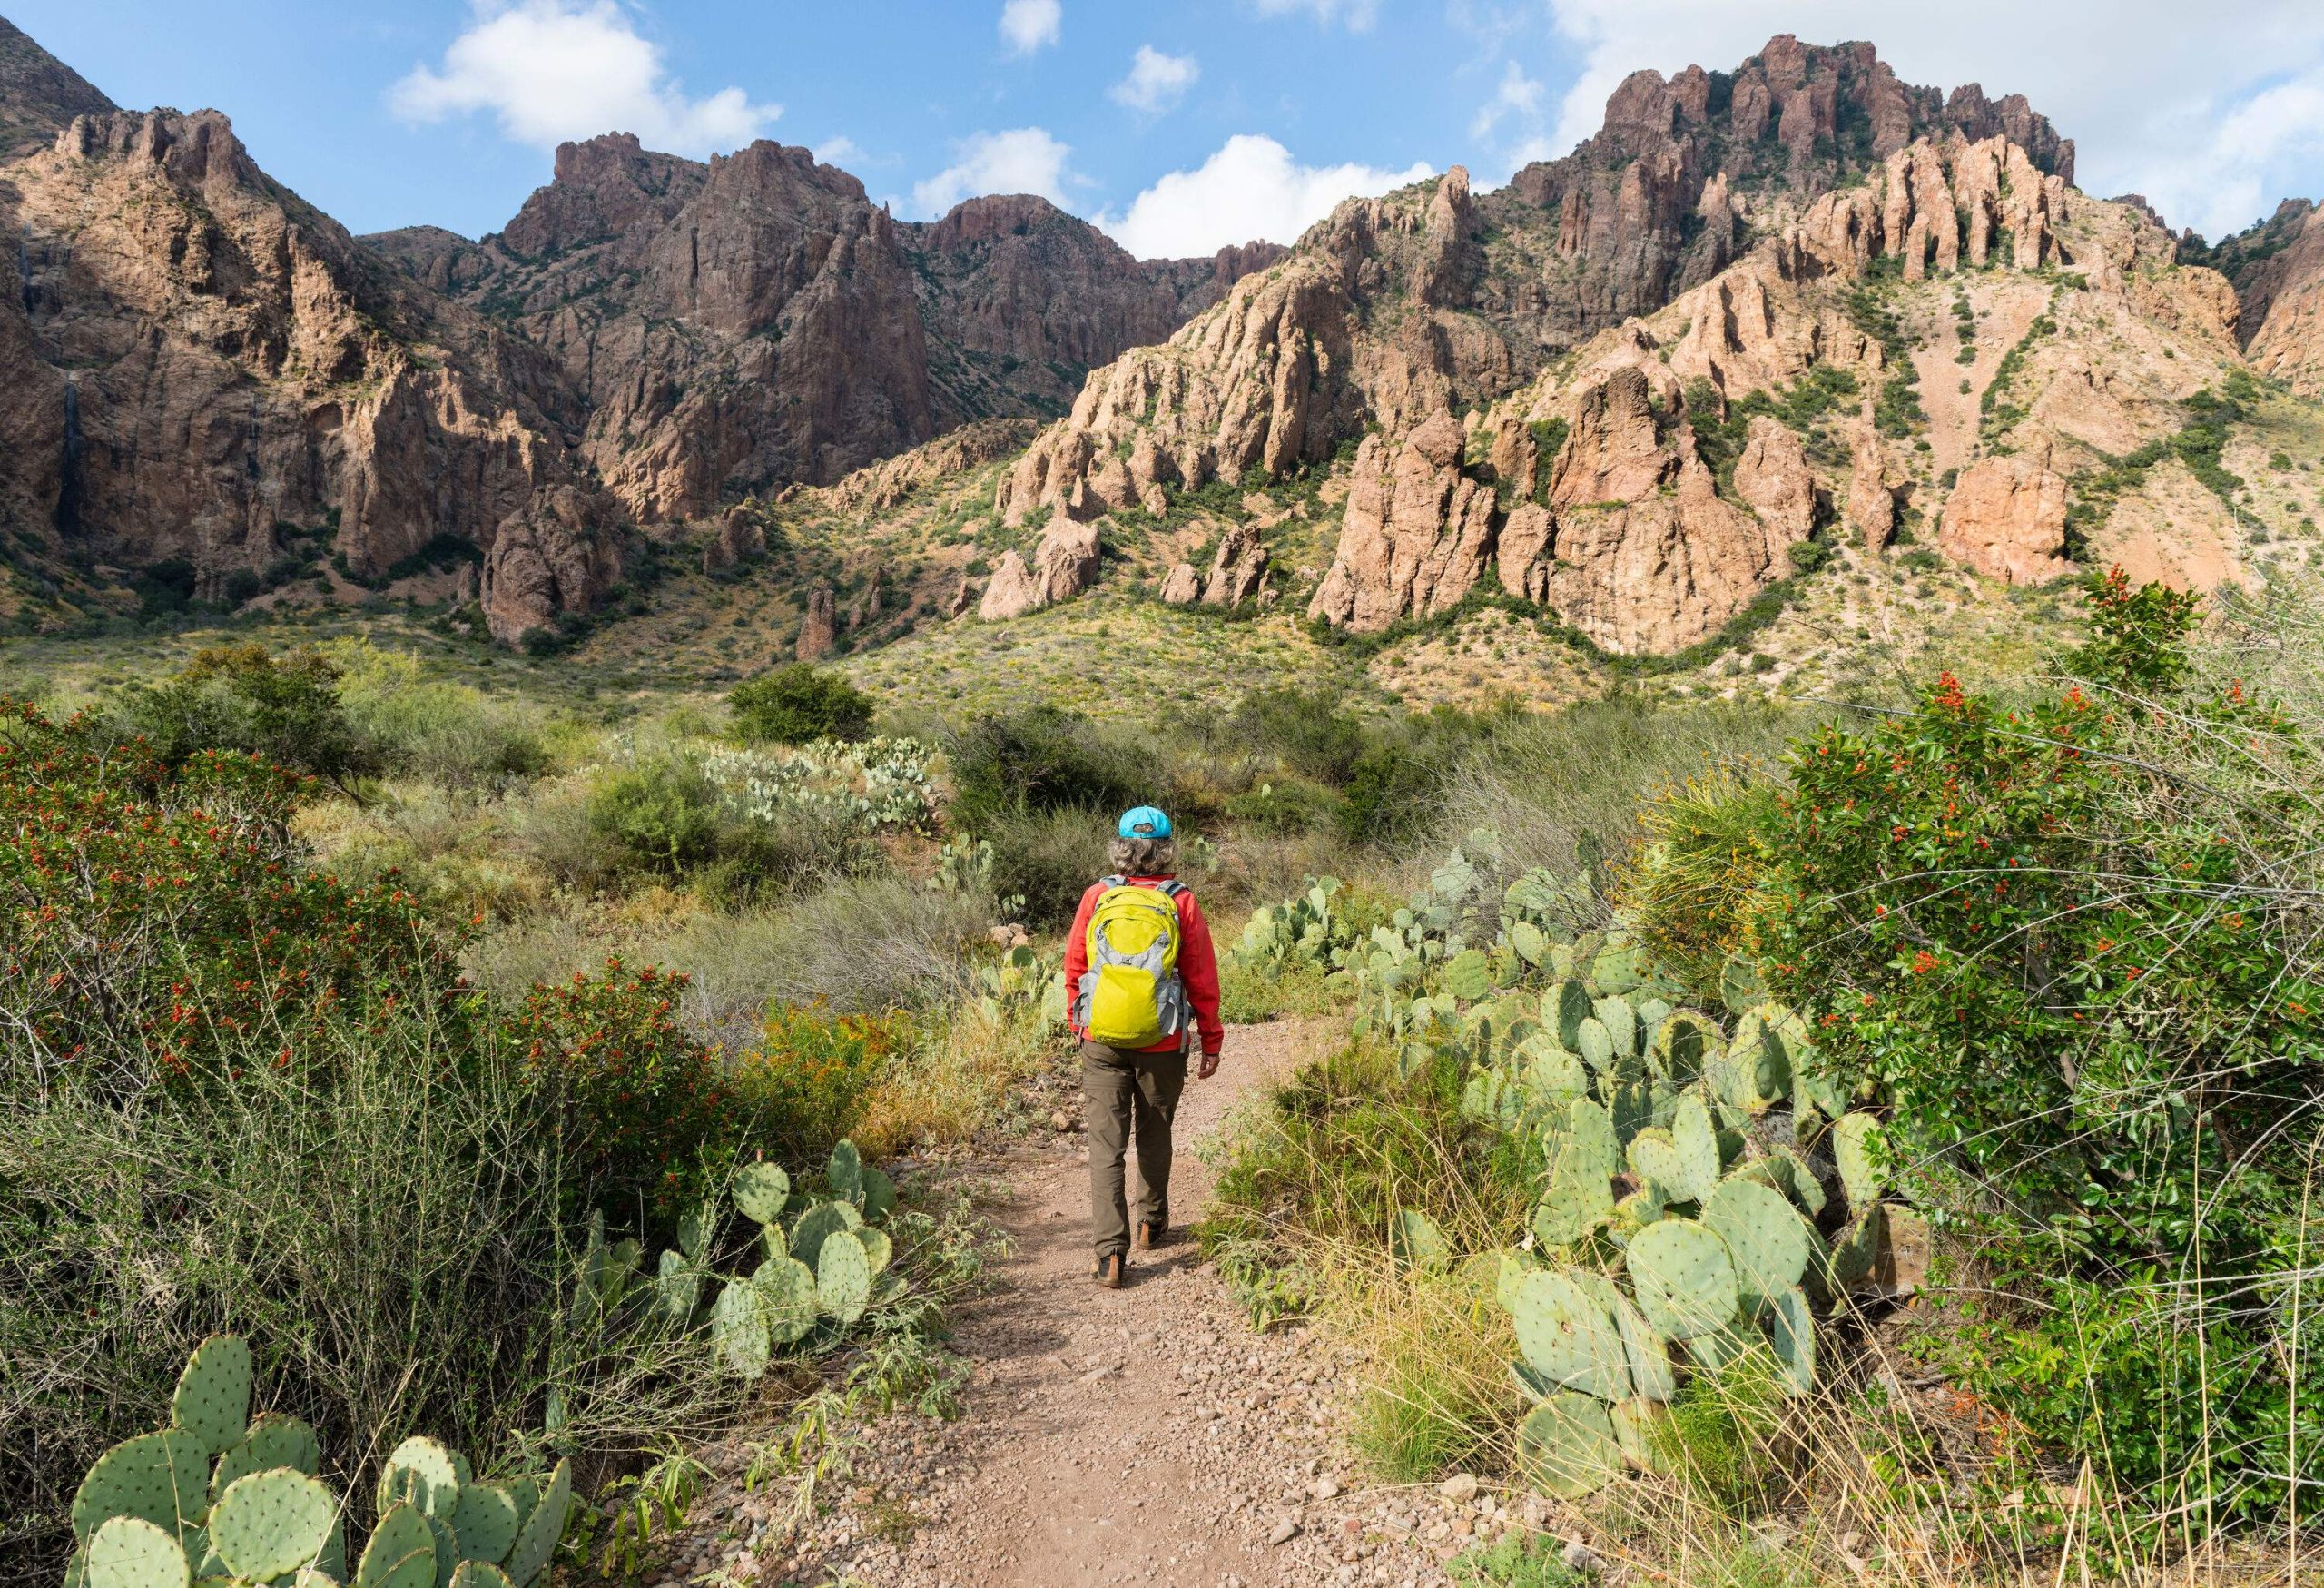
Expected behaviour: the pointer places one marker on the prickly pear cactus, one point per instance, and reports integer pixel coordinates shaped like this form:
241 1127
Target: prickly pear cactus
274 1439
677 1290
537 1540
270 1524
1568 1337
1415 1241
1763 1236
1564 1006
845 1173
1578 1199
213 1402
878 1193
738 1331
423 1472
1647 1353
842 1278
1590 1128
478 1574
1567 1445
760 1191
1860 1150
129 1552
402 1551
787 1298
819 1223
1467 976
1792 1331
485 1520
162 1478
1621 1021
1696 1142
1684 1278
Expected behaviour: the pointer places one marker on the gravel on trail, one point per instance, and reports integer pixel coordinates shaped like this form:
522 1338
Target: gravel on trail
1141 1435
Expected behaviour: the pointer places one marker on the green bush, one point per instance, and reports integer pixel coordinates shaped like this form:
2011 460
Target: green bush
285 710
797 704
1048 858
662 815
1050 760
1286 808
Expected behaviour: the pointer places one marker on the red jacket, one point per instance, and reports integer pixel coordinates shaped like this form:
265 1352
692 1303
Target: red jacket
1198 964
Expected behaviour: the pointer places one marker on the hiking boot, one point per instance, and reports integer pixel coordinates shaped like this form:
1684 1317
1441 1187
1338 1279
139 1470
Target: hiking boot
1109 1272
1151 1235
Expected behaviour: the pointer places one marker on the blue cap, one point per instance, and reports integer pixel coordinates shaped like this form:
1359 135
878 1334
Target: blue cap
1145 822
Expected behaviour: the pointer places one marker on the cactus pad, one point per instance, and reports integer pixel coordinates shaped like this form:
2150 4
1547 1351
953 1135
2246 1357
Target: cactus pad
1684 1278
1740 986
845 1173
1415 1241
1763 1236
1591 1130
1860 1149
1567 1445
1697 1142
447 1550
537 1540
818 1223
760 1191
842 1278
274 1440
738 1329
1793 1333
1530 943
270 1524
1855 1251
1654 1163
1620 965
878 1193
213 1402
423 1472
158 1478
694 1229
677 1290
1683 1045
402 1551
1564 1006
479 1574
1467 976
129 1552
1551 1075
485 1522
1568 1336
1578 1199
1595 1043
1632 1106
877 1250
1646 1351
1621 1021
1799 1181
786 1289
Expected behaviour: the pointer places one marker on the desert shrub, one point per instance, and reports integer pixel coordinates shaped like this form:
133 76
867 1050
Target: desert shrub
660 813
1291 807
449 734
1397 785
159 914
284 710
797 704
642 1110
1309 731
804 1085
790 852
2070 942
1047 858
1434 1395
1045 759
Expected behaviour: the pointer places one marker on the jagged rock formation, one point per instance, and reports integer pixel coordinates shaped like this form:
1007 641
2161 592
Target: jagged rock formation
1238 569
2278 272
756 320
203 368
878 487
1182 586
1064 564
736 537
819 627
38 94
2007 518
1871 499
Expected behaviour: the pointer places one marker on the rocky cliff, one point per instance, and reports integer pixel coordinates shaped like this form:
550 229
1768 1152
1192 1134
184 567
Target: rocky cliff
2278 270
756 320
209 377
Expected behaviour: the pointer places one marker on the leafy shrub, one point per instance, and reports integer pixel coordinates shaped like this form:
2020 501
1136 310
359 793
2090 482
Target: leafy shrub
797 704
449 734
1291 807
639 1099
1047 858
284 710
1310 732
804 1085
1049 760
660 813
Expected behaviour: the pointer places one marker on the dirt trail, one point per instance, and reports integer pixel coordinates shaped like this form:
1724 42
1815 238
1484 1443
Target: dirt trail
1142 1435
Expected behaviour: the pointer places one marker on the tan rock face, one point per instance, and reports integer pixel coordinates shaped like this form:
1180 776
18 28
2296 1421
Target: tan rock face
738 538
243 365
1182 586
1237 569
879 486
1872 502
819 626
1064 564
1773 479
1416 535
2284 305
2007 518
548 558
1615 451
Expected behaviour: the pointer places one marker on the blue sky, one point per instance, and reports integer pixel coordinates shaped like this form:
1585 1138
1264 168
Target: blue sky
1178 125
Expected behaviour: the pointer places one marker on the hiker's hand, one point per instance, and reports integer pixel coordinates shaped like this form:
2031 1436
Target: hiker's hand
1208 1067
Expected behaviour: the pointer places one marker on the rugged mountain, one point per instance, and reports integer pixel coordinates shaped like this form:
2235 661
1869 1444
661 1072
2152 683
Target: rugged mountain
38 94
1396 307
2278 270
209 385
757 321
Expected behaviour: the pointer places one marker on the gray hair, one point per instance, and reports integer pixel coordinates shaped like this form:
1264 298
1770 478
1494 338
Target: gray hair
1143 857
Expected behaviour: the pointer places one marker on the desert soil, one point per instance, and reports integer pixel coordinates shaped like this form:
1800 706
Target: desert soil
1144 1435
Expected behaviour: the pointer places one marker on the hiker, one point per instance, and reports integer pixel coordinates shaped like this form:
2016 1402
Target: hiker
1141 969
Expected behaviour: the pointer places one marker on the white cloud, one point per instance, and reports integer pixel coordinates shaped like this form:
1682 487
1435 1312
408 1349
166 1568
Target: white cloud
1358 15
553 70
1156 82
1026 160
2208 121
1250 189
841 150
1029 25
1519 96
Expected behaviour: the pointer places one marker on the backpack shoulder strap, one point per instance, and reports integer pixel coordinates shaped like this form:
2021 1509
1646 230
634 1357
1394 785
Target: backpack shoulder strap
1172 888
1113 881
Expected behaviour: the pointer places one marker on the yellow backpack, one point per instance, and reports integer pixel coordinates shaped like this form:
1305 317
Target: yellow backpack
1130 996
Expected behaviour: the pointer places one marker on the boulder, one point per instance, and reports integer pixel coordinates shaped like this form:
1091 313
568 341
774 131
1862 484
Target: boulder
556 556
1064 564
1237 569
1183 588
2007 518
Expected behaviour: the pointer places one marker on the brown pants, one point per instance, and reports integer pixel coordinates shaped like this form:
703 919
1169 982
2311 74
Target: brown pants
1126 1094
